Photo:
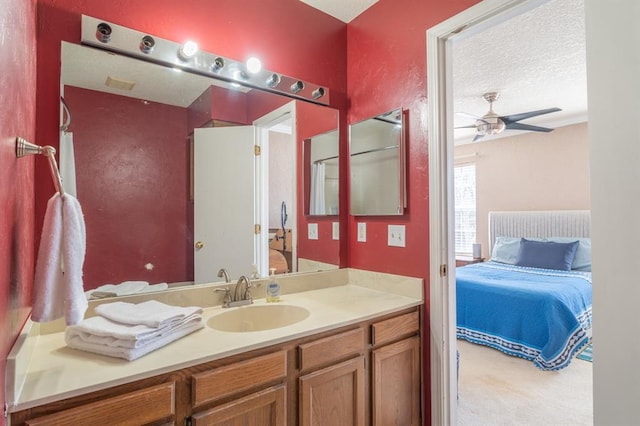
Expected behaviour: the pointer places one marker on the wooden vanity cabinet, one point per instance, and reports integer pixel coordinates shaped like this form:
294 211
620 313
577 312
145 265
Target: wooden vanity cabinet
332 383
260 407
396 371
361 374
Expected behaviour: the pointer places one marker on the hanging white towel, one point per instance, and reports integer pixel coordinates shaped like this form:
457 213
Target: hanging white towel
58 288
68 163
150 313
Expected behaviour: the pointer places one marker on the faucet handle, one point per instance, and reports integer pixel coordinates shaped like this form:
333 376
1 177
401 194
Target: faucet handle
227 295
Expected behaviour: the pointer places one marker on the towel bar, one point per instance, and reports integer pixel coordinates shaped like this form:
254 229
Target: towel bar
24 148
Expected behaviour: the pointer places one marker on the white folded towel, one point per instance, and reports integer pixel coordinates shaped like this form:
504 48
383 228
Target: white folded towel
150 313
75 341
58 288
101 331
155 287
113 290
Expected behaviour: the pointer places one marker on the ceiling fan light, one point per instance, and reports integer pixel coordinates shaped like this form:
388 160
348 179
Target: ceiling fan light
487 128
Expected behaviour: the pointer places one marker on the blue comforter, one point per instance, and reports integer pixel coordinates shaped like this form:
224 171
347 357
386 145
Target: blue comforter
538 314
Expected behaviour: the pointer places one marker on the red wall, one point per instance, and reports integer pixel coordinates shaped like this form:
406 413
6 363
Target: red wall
17 118
386 70
136 201
386 51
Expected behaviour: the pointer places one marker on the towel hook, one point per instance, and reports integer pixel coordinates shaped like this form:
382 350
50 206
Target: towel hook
24 148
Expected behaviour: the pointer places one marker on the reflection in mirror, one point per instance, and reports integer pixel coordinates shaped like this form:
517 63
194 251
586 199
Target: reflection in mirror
321 174
376 162
132 137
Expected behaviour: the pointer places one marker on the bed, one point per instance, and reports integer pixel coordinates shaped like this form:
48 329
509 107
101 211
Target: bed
524 301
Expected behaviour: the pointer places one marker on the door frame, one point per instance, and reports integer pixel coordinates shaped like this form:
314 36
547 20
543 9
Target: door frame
442 294
262 125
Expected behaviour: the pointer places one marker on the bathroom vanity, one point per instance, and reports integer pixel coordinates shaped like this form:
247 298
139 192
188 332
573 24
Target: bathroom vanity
355 359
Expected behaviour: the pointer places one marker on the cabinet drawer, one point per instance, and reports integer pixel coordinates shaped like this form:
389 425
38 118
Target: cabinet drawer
135 408
394 328
225 381
331 349
265 408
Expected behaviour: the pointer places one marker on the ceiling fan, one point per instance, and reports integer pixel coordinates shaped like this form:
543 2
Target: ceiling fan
492 123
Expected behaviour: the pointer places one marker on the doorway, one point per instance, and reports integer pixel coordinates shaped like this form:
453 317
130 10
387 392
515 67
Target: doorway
441 110
276 195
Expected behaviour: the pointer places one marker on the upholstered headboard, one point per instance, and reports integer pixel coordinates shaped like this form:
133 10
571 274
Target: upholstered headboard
539 224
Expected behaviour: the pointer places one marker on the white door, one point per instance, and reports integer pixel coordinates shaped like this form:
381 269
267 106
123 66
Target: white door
224 202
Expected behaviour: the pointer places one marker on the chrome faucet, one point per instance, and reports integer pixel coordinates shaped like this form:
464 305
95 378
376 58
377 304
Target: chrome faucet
223 273
238 298
246 296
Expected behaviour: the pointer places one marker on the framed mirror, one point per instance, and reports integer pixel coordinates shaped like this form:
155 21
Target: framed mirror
377 165
132 137
321 174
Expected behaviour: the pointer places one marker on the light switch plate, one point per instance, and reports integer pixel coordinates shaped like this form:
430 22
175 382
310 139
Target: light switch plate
312 231
396 235
335 230
362 232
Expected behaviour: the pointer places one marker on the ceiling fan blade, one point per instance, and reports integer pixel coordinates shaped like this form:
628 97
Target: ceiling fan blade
466 114
470 126
477 137
521 126
524 115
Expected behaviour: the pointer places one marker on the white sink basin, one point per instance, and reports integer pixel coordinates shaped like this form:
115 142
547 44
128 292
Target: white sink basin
257 318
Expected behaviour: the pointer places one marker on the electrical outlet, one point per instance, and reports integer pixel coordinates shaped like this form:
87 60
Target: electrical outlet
362 232
396 235
312 231
335 230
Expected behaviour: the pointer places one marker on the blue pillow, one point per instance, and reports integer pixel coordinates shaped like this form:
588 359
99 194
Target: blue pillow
546 254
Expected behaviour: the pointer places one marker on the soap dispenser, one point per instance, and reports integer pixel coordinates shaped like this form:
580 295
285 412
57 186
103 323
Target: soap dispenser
273 288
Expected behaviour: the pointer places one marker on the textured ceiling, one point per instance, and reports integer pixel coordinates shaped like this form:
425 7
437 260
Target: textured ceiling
535 60
344 10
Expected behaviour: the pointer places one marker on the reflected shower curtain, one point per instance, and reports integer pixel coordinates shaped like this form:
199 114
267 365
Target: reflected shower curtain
68 163
316 200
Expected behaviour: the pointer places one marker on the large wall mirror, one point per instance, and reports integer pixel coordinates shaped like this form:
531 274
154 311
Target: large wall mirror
377 165
138 133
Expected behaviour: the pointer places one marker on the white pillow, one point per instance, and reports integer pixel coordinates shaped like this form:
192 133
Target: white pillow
505 250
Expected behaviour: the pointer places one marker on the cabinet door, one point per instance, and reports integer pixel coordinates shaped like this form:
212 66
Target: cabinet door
396 383
264 408
334 395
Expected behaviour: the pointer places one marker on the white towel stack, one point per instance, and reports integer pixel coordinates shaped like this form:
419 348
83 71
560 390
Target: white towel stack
129 331
123 289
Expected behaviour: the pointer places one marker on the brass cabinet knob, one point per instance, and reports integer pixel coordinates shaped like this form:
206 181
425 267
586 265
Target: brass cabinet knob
199 245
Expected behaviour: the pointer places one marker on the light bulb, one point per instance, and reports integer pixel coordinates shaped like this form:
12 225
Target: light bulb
188 50
254 65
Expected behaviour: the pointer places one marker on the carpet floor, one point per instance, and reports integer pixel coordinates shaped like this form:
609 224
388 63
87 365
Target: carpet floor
495 389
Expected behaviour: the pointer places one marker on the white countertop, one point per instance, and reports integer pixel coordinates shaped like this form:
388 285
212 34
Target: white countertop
56 372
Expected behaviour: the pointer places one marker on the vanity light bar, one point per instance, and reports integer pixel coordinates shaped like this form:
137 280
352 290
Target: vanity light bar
116 38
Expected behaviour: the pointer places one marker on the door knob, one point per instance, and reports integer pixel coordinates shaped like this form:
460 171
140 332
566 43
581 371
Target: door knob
199 245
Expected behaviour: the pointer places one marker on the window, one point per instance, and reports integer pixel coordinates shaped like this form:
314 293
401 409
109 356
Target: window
465 207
